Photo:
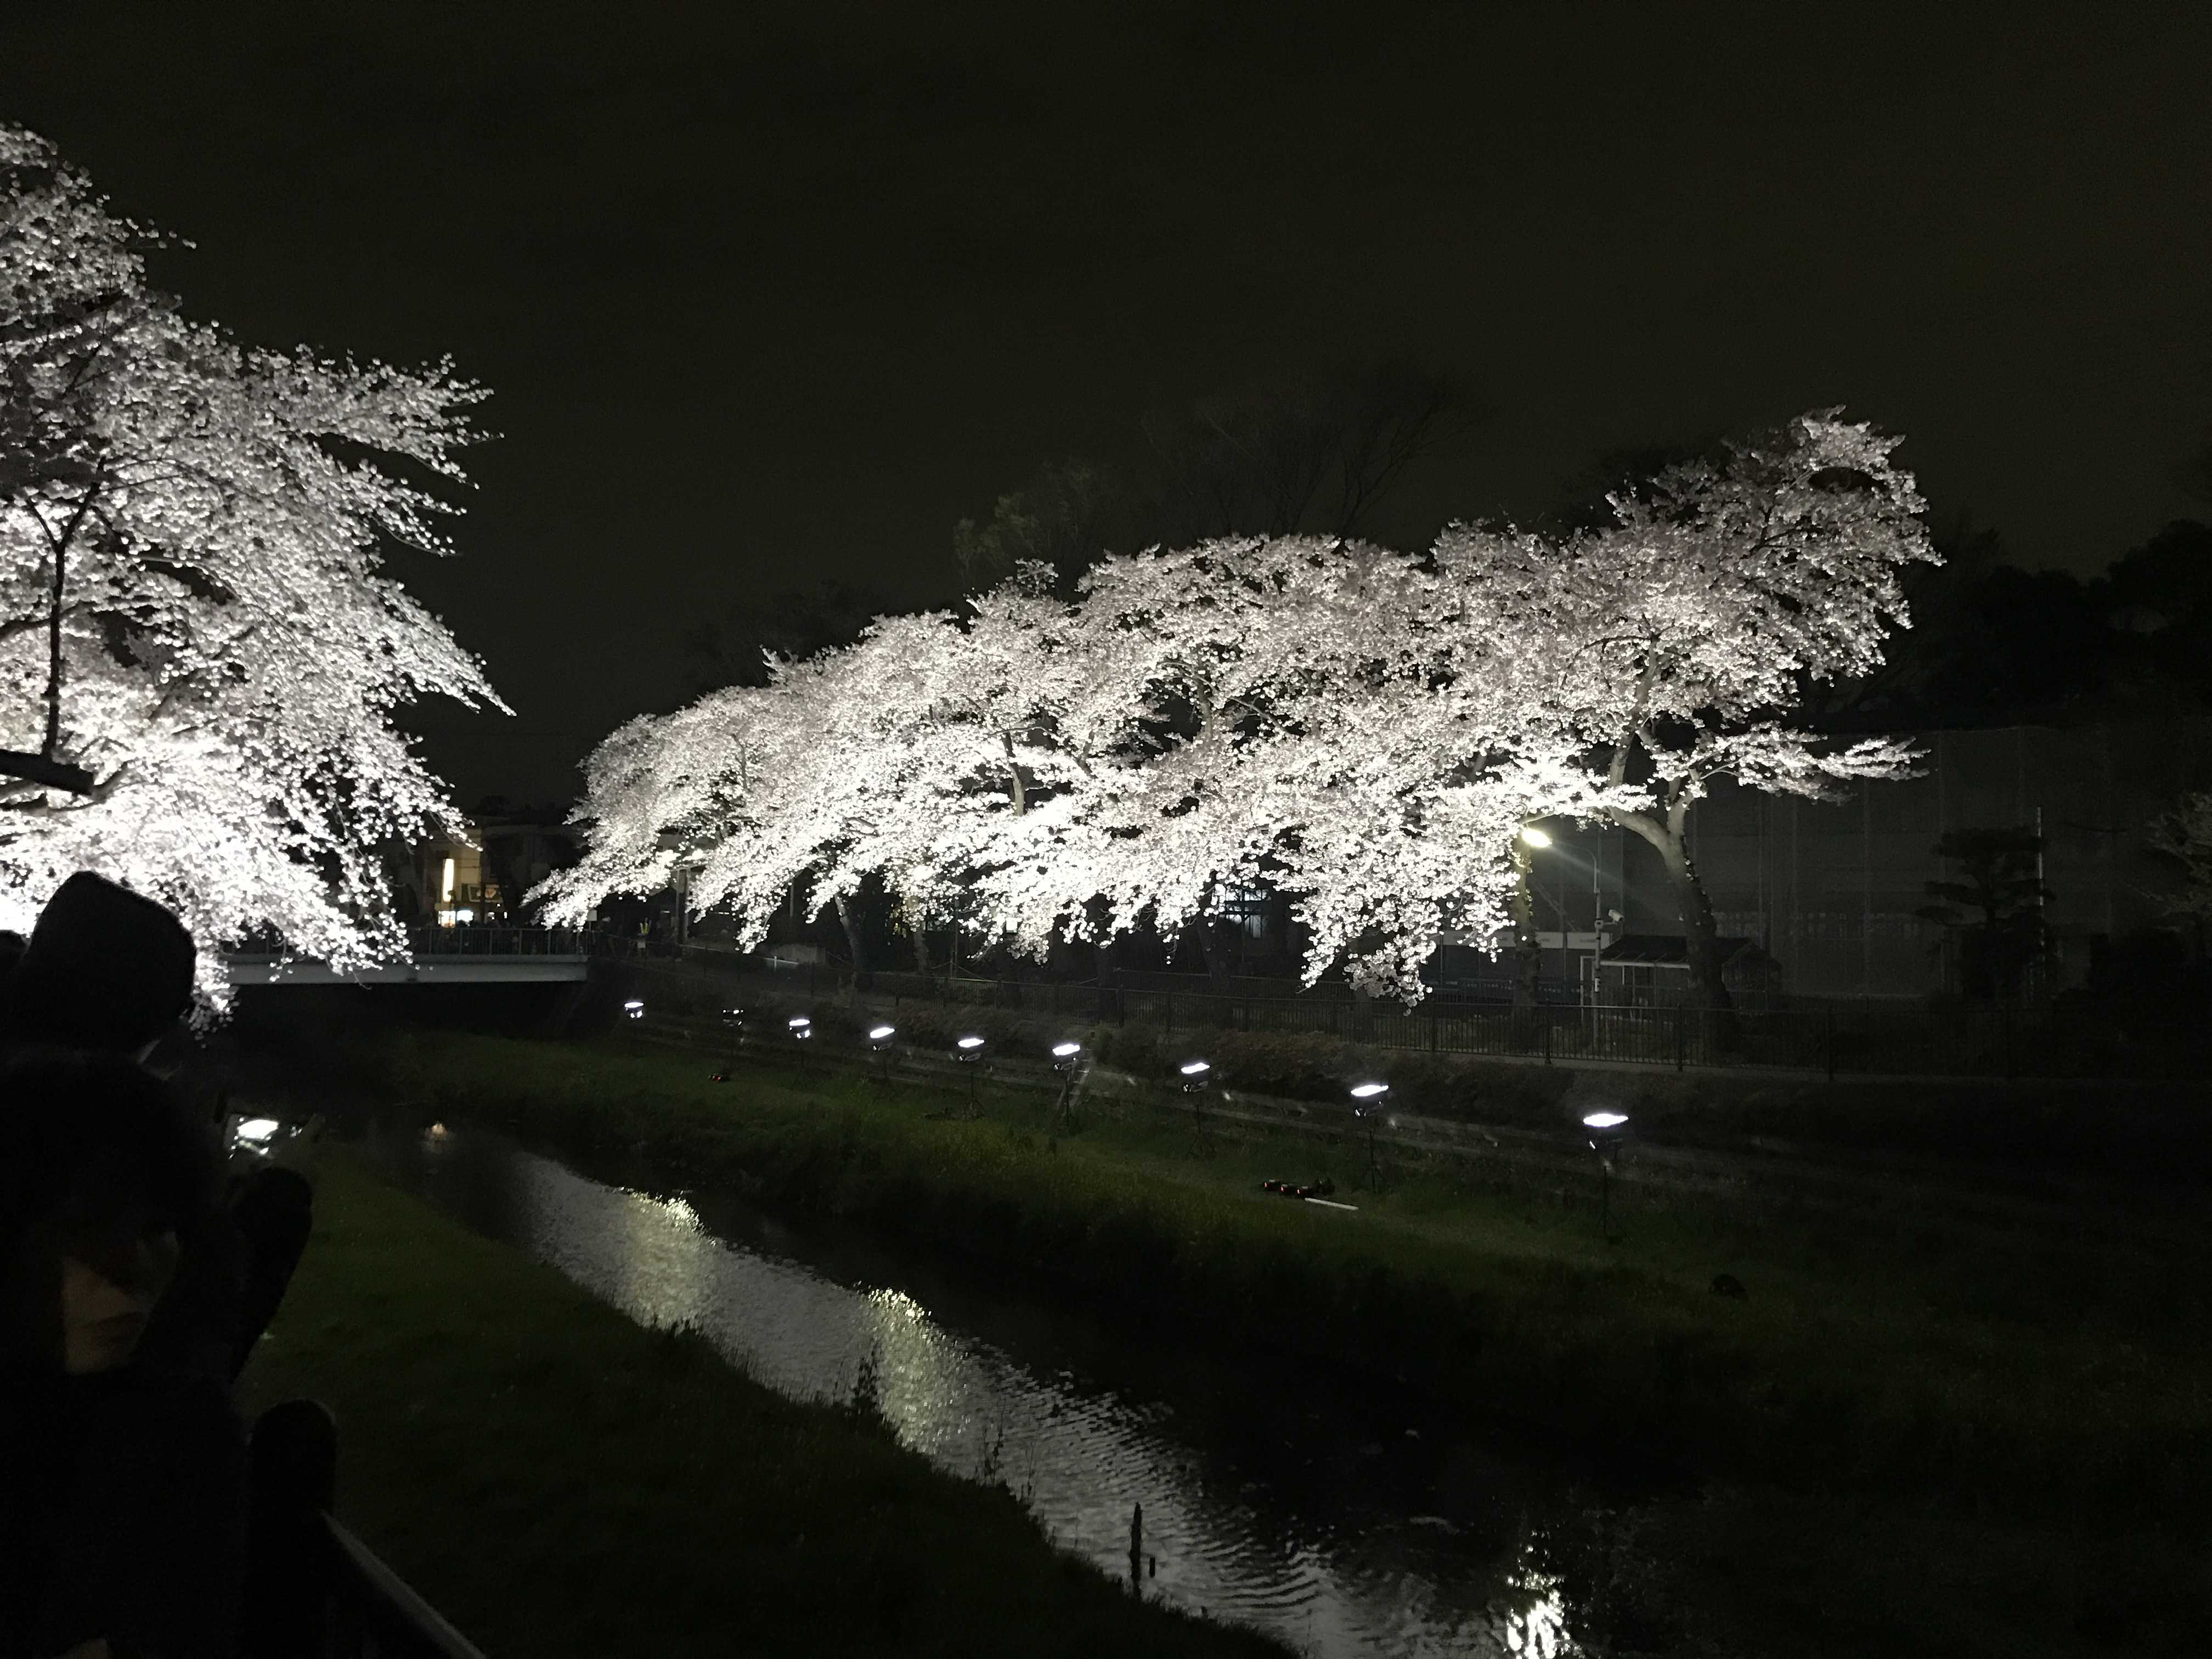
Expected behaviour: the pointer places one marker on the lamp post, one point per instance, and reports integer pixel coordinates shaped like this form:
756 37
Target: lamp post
801 1028
879 1039
1196 1074
1064 1056
1606 1130
1367 1107
970 1050
633 1012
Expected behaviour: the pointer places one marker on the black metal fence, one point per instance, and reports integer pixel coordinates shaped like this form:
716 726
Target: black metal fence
427 940
314 1590
1833 1040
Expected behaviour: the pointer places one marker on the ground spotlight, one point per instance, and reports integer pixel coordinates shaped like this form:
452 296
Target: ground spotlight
1606 1129
1367 1106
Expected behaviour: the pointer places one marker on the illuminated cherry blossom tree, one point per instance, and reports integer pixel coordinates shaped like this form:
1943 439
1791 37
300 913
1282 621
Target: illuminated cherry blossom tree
1679 639
200 655
1281 720
1364 730
902 757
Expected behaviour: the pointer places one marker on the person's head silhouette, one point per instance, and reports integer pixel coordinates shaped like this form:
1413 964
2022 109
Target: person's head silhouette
106 969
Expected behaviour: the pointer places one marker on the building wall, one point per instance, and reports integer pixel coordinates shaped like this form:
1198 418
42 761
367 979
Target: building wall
1829 890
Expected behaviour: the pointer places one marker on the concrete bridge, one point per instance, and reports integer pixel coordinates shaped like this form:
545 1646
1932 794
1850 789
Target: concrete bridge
441 956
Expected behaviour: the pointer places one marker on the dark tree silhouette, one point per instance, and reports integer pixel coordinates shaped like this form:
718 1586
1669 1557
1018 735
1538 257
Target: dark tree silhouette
1314 455
1995 908
792 622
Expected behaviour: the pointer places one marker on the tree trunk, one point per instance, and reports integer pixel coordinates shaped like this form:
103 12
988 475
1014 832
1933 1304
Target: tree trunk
1216 940
1700 934
852 933
920 938
1528 959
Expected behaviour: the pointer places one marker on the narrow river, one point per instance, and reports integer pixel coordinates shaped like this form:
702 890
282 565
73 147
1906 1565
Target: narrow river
1342 1518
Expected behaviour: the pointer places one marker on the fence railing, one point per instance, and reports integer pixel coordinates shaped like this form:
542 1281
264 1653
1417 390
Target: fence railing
430 940
1860 1040
314 1590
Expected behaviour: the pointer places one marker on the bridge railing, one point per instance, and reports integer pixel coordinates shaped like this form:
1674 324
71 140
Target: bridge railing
498 940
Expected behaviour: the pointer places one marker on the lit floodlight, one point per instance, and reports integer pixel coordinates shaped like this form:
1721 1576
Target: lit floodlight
1369 1090
970 1043
882 1033
256 1135
465 917
969 1047
1534 836
800 1026
1066 1050
1605 1129
634 1010
1196 1068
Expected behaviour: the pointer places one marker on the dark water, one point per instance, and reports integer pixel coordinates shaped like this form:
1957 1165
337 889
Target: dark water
1337 1517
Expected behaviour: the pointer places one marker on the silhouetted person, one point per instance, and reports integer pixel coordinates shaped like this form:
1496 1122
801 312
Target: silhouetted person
111 971
123 1472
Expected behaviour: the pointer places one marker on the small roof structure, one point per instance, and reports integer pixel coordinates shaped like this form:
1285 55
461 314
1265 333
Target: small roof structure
1660 950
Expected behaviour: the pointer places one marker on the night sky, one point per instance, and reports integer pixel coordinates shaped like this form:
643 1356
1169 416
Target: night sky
773 294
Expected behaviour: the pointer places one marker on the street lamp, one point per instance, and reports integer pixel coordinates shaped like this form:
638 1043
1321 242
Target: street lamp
1064 1056
1534 836
1367 1106
880 1039
1605 1130
1196 1075
969 1049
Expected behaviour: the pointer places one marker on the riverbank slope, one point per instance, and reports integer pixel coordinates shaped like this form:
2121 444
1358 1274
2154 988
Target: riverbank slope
2034 1419
557 1481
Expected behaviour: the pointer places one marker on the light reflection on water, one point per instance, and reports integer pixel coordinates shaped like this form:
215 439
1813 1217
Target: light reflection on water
1321 1549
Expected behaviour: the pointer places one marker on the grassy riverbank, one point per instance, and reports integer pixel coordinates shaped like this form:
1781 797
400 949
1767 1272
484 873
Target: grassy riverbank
558 1481
1890 1363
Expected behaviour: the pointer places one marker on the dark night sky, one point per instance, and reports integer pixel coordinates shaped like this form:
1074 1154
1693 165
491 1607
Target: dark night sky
768 293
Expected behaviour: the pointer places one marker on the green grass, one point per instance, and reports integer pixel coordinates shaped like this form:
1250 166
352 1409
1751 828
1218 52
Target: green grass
558 1481
1872 1356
